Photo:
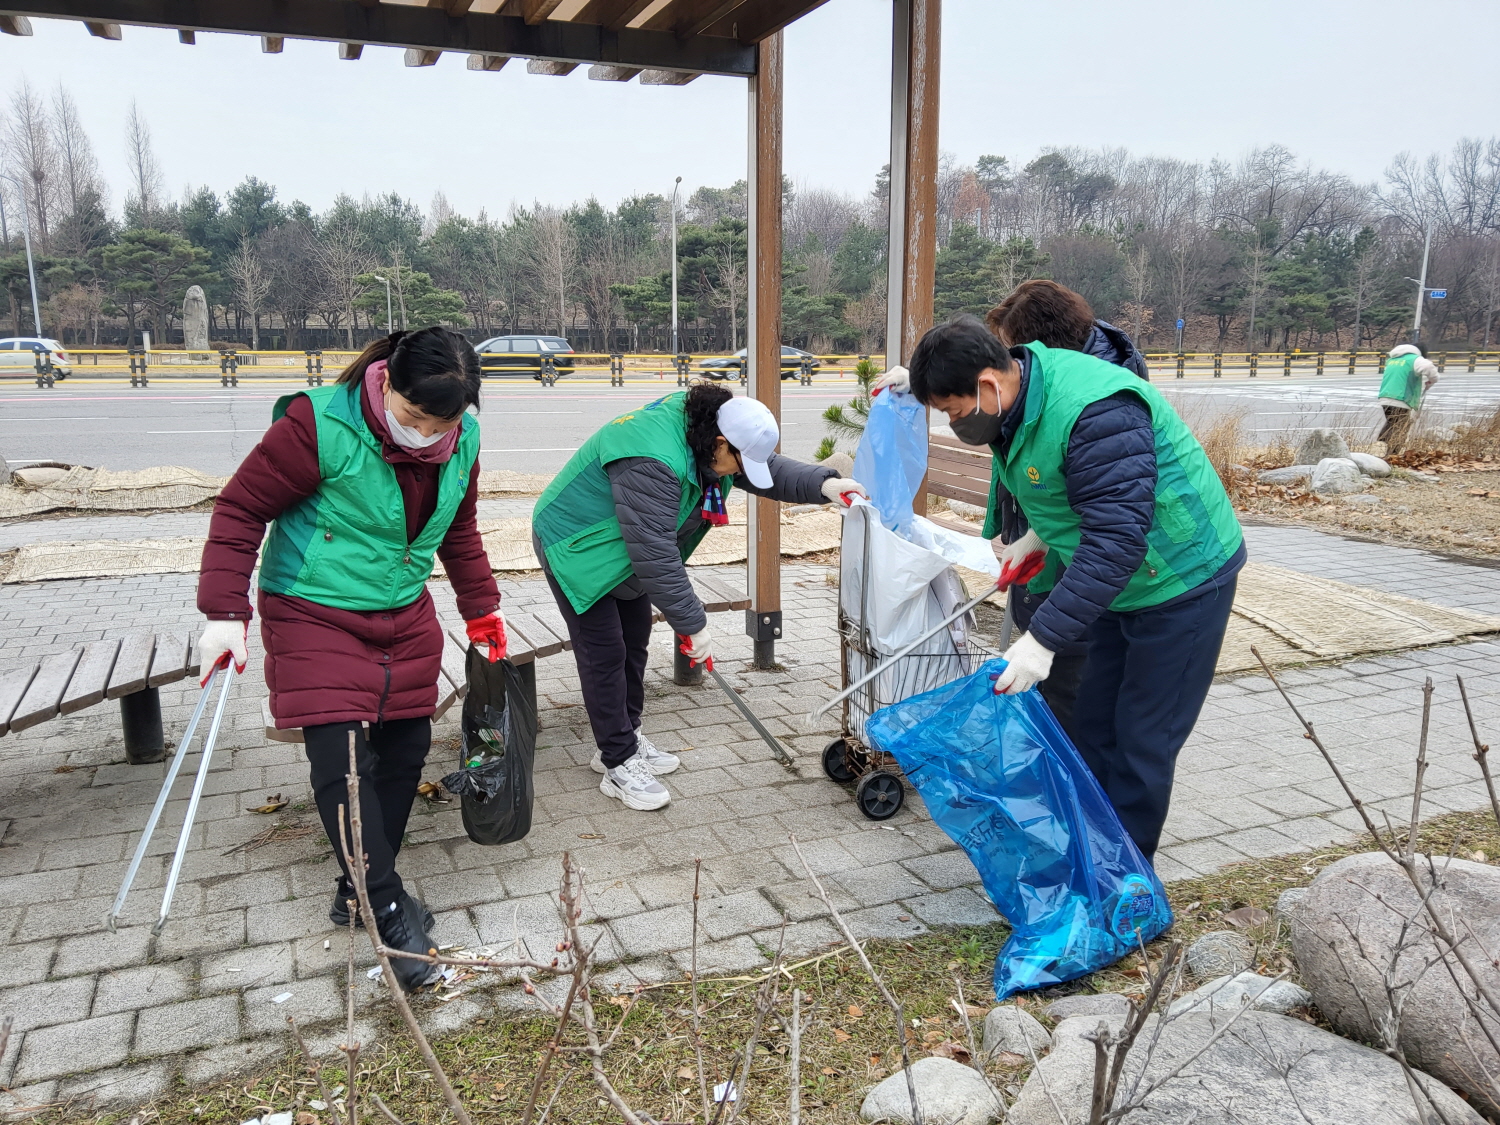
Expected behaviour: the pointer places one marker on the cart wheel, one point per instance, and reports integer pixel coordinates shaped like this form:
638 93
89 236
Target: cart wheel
879 794
836 762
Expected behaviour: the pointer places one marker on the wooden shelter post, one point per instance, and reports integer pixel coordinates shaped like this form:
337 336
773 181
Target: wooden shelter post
763 346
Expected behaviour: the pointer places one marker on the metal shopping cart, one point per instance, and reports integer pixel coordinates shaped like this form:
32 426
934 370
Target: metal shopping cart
953 652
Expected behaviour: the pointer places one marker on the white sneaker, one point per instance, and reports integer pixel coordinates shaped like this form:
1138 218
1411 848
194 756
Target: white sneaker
633 784
659 762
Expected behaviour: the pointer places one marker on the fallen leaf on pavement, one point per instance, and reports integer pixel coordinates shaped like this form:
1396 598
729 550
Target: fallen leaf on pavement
1247 916
855 1011
841 1035
273 804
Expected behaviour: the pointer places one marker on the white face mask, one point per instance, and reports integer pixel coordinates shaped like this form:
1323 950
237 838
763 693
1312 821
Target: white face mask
406 436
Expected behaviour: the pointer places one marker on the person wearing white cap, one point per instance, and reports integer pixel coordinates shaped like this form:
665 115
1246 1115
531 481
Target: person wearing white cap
613 532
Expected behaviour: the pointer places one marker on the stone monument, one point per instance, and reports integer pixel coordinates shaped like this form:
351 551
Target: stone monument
195 320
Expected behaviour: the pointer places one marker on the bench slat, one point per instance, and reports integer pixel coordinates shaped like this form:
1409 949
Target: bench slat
40 701
713 599
12 688
730 598
519 648
543 639
169 664
132 665
453 666
90 678
549 616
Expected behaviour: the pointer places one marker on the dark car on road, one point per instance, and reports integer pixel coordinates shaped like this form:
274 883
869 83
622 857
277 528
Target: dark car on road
729 366
522 355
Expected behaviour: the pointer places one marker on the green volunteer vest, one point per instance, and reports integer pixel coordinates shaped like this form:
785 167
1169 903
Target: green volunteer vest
1195 531
345 545
1401 381
574 519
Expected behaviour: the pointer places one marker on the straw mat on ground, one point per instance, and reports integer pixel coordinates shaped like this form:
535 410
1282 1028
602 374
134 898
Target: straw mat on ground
84 489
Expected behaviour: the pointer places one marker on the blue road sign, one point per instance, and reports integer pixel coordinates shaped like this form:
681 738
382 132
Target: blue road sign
1437 294
1181 323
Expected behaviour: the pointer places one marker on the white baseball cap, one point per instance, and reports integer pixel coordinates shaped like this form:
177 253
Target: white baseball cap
749 426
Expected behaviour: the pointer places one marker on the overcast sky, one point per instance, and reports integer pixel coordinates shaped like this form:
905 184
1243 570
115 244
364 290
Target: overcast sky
1344 83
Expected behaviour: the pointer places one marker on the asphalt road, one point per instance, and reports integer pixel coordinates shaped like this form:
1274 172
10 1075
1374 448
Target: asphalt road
534 429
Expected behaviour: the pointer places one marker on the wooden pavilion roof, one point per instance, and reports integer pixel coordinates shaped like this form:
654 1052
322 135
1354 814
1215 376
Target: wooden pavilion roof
665 42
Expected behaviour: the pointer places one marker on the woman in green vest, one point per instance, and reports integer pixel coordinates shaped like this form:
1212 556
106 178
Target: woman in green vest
1409 375
364 483
1109 478
613 532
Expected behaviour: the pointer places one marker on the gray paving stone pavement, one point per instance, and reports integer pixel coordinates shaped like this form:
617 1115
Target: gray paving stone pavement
117 1017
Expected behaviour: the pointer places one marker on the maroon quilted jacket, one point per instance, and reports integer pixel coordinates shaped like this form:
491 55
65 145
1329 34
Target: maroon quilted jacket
326 665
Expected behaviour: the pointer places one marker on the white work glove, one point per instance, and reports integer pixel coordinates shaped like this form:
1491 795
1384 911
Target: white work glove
1026 665
1022 560
217 638
834 488
698 648
896 379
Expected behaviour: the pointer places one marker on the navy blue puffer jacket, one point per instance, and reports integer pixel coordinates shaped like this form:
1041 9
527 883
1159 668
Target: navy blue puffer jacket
1108 343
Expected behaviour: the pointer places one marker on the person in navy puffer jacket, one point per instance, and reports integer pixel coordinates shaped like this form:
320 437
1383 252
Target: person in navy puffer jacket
1046 312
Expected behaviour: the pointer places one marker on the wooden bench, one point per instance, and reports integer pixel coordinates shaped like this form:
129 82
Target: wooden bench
532 634
957 471
129 669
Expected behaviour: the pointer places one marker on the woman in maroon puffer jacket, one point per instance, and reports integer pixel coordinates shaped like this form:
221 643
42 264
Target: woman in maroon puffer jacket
363 482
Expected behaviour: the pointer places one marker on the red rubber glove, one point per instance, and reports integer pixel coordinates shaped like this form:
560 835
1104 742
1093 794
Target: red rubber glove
1022 560
488 630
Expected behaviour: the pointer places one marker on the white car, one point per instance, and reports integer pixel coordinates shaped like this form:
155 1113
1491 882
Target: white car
18 355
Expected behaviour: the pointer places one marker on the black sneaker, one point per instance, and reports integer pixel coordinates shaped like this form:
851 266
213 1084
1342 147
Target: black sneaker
400 927
338 913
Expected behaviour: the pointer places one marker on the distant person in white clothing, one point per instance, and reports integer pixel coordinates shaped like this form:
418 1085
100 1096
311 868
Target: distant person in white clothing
1409 375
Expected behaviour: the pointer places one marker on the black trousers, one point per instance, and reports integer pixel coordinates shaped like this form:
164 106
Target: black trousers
610 645
1397 428
1060 688
1147 676
389 763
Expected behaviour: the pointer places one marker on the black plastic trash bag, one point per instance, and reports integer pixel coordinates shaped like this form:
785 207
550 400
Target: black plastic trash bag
493 781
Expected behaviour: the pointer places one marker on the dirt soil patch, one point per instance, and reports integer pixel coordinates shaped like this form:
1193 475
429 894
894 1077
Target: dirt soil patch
1458 512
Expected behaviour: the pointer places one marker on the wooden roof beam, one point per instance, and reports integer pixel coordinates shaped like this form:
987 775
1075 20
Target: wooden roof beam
103 30
350 52
666 77
532 11
599 72
272 44
452 7
550 66
408 25
416 56
611 14
187 38
15 25
686 18
488 62
755 22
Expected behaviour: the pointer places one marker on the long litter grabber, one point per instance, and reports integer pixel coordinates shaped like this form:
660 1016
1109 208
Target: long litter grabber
744 709
166 791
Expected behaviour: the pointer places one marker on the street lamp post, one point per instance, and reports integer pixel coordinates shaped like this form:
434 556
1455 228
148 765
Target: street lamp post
1416 323
36 311
390 324
675 188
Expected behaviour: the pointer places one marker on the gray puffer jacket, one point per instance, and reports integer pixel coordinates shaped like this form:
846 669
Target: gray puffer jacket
647 499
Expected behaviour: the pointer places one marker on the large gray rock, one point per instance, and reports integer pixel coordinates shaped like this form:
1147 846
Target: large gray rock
1289 901
1370 896
1266 1070
1335 476
1227 995
1291 476
1219 954
1369 464
948 1093
1319 444
1100 1004
195 320
1010 1029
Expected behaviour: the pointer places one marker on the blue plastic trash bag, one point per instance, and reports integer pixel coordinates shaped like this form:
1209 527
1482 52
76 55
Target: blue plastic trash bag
892 455
999 776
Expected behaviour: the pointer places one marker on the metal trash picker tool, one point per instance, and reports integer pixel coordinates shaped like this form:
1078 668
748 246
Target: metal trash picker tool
744 709
166 791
